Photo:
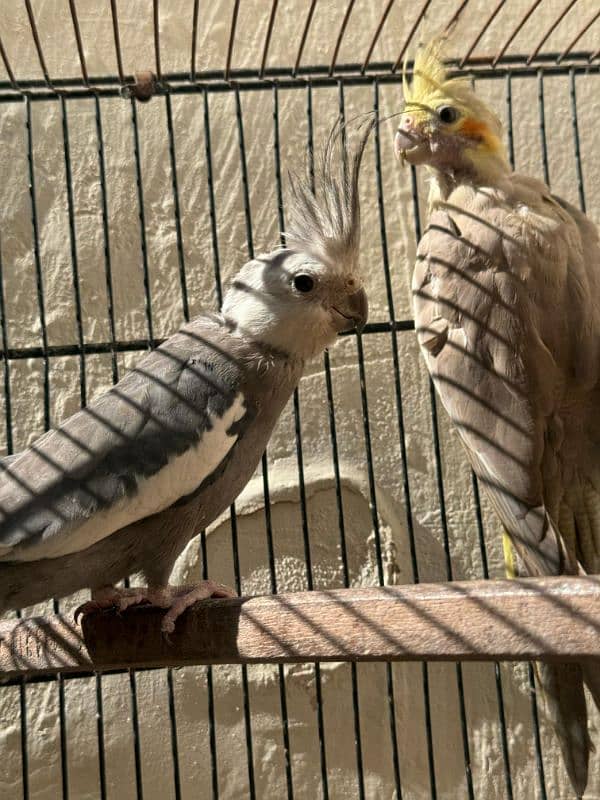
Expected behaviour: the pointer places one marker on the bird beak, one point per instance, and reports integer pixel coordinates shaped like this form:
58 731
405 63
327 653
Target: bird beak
403 141
351 312
410 143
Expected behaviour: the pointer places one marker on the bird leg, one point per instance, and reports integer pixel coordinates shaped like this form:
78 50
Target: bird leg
174 598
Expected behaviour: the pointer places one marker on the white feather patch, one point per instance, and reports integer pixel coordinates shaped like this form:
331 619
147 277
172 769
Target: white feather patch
180 477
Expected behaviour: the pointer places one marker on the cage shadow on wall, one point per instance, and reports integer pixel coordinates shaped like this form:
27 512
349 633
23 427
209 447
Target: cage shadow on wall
118 220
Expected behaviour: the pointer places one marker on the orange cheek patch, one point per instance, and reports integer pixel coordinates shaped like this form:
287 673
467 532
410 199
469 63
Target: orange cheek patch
480 132
474 129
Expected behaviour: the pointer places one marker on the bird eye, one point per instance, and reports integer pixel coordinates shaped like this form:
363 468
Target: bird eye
304 283
447 114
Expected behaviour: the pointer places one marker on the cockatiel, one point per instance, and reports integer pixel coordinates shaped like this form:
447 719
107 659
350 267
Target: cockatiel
124 484
506 295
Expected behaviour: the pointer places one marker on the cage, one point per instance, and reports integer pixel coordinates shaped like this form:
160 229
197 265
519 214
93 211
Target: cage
119 219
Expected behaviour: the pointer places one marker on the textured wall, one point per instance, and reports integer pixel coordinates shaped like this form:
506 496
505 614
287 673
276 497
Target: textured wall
28 396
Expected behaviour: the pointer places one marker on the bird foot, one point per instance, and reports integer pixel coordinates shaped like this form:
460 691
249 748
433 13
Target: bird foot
173 598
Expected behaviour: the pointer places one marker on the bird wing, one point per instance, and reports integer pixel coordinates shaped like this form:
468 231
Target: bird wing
505 318
149 441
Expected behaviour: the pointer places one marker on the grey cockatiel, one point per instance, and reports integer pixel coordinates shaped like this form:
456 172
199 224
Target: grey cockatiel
507 308
123 485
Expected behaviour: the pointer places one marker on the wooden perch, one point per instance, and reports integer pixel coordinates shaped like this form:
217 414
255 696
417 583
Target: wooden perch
546 619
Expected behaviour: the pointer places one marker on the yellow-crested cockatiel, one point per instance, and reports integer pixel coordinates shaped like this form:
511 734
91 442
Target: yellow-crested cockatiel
507 310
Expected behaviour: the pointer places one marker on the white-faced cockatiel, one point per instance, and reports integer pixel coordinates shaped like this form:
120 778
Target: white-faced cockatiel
122 486
507 310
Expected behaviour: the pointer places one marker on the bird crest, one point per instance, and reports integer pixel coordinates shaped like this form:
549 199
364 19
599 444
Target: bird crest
430 75
324 213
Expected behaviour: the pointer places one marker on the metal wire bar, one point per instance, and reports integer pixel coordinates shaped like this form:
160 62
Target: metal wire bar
411 33
247 80
62 728
280 668
456 16
443 519
79 42
82 398
497 673
575 125
542 126
211 201
10 448
304 36
212 737
217 275
156 31
186 315
83 393
115 21
530 676
135 723
552 27
236 8
38 45
450 577
375 517
492 16
150 327
306 540
250 245
515 31
176 209
337 478
142 218
338 43
400 419
263 61
428 725
38 264
100 736
73 246
194 40
135 345
8 68
8 432
243 668
115 378
578 36
106 240
174 741
268 522
485 571
376 35
24 740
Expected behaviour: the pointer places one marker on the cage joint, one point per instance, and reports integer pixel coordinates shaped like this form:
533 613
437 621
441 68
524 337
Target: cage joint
143 88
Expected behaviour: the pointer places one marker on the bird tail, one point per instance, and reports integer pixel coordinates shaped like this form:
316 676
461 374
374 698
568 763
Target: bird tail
565 705
561 688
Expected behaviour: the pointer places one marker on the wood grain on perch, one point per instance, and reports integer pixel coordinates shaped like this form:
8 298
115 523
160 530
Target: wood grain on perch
550 618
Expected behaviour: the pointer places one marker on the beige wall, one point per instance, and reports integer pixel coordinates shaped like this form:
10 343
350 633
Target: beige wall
27 394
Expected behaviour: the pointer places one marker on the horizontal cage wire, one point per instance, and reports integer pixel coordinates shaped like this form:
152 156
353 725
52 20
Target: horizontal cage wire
121 219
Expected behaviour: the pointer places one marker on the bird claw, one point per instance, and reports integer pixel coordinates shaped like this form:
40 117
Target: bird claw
86 608
174 599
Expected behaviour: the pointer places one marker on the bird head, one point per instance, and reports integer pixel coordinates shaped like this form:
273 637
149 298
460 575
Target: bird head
299 298
444 124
